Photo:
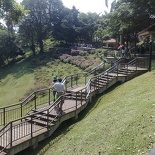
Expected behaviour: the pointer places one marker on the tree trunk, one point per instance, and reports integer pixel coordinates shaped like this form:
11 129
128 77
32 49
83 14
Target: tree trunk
33 46
41 46
33 49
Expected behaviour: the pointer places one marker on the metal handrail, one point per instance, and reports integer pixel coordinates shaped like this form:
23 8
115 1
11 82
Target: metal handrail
14 123
95 69
86 90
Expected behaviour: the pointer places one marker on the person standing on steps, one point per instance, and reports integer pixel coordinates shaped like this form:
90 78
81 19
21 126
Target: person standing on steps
123 52
60 90
54 91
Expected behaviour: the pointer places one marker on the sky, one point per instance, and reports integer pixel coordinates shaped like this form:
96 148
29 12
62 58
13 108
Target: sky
85 6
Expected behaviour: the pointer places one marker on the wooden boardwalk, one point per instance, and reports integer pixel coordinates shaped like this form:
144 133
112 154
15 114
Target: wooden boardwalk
40 123
22 131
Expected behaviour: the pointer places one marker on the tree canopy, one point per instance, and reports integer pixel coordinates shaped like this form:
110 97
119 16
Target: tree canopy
34 21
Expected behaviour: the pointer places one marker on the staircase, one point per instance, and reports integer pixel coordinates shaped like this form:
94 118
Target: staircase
38 120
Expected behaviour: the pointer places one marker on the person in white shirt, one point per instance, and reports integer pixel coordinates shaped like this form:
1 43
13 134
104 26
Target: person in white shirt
60 89
54 91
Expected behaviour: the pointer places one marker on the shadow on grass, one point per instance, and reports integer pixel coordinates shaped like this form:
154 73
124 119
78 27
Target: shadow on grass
65 127
25 66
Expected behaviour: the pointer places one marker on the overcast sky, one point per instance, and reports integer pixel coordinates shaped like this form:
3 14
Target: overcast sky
85 6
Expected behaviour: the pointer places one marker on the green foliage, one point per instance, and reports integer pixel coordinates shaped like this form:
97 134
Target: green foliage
130 16
68 29
11 10
84 61
7 46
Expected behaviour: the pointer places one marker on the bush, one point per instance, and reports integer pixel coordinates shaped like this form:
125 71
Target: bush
74 52
83 53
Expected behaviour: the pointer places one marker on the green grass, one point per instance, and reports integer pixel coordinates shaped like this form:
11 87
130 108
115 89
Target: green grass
19 80
14 82
120 122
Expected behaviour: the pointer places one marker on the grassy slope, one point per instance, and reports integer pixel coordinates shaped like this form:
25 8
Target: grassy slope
121 121
21 79
14 82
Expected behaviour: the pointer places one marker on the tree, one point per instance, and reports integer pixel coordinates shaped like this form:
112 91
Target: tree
45 15
39 20
67 29
127 17
7 47
88 26
27 33
11 12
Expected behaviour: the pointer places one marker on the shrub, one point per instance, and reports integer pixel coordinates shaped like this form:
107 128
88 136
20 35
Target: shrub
74 52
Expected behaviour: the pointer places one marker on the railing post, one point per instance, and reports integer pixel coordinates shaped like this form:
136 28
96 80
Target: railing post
71 81
107 75
85 78
76 101
95 85
35 102
117 69
136 65
47 118
11 134
4 116
90 84
98 82
81 96
31 128
61 103
66 83
21 111
150 56
49 96
75 113
77 80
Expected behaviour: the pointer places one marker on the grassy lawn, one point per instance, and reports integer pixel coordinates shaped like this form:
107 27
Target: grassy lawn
19 80
15 80
120 122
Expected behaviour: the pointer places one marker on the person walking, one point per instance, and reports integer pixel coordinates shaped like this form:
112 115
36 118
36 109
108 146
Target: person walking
54 90
60 90
123 52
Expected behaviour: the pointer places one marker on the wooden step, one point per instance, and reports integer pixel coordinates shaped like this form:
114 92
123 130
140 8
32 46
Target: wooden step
39 122
78 97
46 117
98 86
122 72
109 77
44 113
128 70
99 82
105 79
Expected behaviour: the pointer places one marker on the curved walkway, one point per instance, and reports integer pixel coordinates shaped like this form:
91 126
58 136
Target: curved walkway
40 123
